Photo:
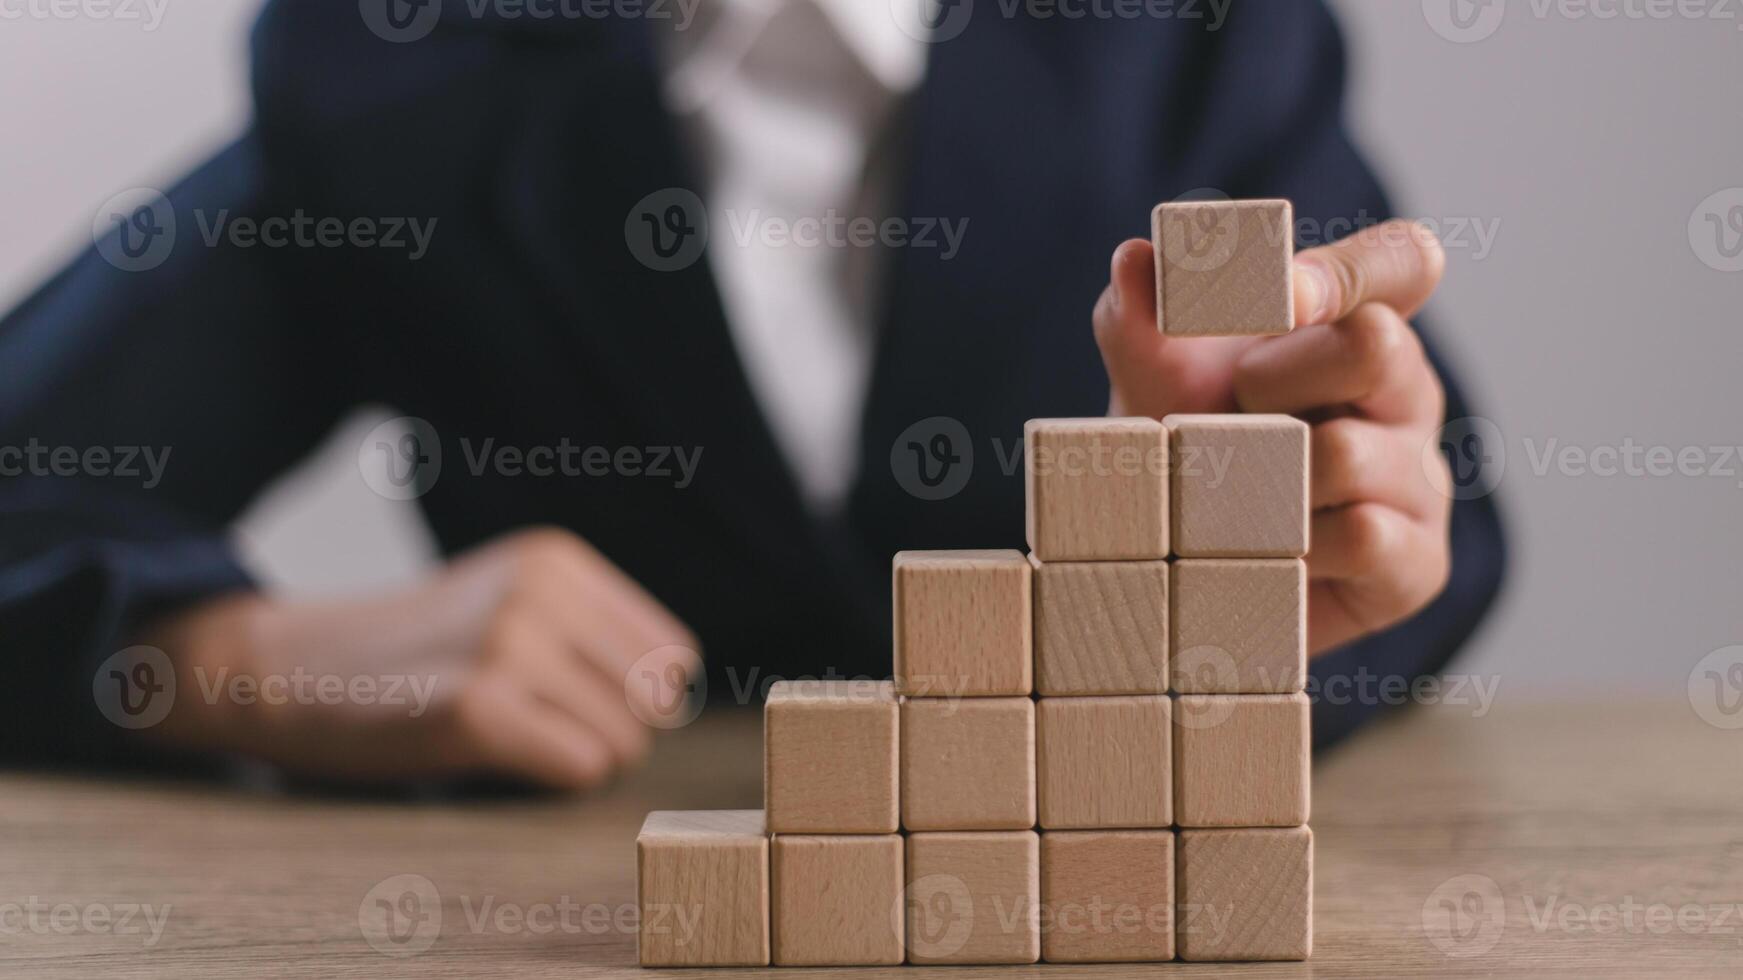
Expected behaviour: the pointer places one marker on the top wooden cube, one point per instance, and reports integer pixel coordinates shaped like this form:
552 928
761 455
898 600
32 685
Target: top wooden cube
1224 268
1097 489
963 624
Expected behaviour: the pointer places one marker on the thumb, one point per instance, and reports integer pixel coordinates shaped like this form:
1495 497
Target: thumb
1151 374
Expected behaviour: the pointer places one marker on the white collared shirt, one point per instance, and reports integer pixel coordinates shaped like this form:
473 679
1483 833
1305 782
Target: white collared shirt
789 108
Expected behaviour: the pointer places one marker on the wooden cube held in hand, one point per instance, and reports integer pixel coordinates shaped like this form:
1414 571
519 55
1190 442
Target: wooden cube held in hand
830 757
1246 894
962 624
1239 626
836 900
974 897
1097 489
968 764
1224 268
702 880
1239 485
1240 760
1104 762
1107 896
1101 627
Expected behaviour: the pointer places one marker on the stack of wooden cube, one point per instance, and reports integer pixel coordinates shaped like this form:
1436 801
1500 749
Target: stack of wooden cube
1096 752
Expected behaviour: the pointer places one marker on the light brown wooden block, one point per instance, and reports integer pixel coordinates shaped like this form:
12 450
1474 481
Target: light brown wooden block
1241 760
835 900
1224 268
962 623
1239 625
1107 896
830 757
968 763
1104 762
1101 627
702 880
1239 486
1097 489
974 897
1246 894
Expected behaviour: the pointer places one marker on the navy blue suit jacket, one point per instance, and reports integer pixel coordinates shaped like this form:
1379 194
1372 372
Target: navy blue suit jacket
530 321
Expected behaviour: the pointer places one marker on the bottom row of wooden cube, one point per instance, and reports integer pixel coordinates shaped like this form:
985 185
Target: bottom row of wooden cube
716 890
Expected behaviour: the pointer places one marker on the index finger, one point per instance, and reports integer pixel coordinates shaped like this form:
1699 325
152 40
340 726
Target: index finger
1398 263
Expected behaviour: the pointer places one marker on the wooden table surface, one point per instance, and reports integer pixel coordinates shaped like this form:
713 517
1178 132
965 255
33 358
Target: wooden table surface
1611 836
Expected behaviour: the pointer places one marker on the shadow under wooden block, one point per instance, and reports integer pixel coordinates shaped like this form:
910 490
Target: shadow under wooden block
1096 489
1224 268
1239 486
968 764
1241 760
830 757
702 880
837 900
1239 626
1107 896
1101 627
1246 894
974 897
962 623
1104 762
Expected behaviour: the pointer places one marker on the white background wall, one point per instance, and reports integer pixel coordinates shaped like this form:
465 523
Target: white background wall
1583 143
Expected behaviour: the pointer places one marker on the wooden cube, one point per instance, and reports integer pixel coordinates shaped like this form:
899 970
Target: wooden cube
1224 268
830 757
962 624
1246 894
1097 489
1239 486
968 764
702 881
1239 625
1107 896
835 900
1101 627
1104 762
974 897
1240 760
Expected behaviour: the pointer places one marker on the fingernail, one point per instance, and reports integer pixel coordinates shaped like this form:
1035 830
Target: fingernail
1320 291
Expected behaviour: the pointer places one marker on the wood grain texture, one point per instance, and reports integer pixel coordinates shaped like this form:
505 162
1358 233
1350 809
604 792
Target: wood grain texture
836 900
1559 802
963 622
1107 896
703 888
1239 486
1246 894
1241 760
1239 626
831 759
1104 762
1096 489
974 897
1224 268
1101 627
968 764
